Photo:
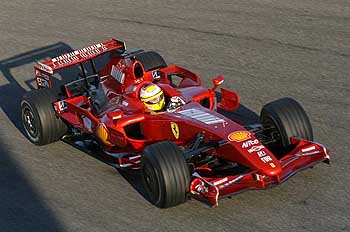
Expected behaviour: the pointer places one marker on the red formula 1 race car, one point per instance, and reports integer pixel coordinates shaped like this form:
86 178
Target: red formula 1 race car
142 114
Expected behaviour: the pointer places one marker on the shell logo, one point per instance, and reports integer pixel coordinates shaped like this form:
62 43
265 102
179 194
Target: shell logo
239 136
102 133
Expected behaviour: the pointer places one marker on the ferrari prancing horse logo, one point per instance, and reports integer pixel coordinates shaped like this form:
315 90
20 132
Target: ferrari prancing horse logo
175 129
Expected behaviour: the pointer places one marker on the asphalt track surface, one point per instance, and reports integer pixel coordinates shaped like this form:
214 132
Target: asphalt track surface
266 49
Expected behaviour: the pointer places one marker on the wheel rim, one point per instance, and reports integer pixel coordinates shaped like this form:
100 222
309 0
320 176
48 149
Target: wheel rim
274 131
29 122
150 182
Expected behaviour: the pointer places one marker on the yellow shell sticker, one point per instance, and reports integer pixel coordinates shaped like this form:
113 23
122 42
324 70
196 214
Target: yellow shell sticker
175 130
102 133
239 136
272 165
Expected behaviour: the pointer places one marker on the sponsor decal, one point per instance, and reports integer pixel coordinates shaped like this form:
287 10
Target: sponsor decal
255 148
42 82
40 74
308 149
102 133
239 136
220 181
272 165
62 106
264 157
250 143
202 116
45 68
117 74
201 188
175 129
261 153
75 56
155 74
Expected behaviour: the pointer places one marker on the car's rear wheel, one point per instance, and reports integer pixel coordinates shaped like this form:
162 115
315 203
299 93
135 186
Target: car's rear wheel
285 118
40 122
165 174
151 60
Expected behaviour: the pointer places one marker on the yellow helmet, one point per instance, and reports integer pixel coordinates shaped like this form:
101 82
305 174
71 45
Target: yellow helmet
152 97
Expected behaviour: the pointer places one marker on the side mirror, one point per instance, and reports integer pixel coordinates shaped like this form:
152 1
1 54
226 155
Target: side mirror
217 81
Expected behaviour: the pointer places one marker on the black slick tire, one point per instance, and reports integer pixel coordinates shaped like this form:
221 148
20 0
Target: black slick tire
39 119
165 174
151 60
288 118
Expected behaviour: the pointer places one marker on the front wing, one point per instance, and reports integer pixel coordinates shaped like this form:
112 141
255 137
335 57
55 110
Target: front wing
305 155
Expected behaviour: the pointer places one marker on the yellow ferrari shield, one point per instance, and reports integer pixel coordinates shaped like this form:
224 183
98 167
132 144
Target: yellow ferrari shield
175 129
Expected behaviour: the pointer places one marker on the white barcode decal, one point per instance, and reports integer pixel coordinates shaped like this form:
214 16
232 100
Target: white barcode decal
202 116
117 74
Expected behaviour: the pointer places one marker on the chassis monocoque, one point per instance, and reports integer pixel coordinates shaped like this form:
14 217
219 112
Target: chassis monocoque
189 149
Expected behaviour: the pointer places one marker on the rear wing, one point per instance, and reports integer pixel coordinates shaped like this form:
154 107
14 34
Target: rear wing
80 55
43 70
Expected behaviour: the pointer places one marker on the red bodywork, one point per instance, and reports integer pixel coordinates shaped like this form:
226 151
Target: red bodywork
111 126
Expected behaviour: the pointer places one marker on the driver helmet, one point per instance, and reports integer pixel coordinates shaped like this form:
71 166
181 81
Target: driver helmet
152 97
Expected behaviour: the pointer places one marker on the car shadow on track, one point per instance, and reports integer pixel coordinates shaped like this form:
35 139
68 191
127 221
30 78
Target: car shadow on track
11 95
22 207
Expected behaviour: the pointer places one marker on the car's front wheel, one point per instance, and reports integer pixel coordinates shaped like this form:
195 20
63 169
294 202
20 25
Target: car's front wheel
285 118
165 174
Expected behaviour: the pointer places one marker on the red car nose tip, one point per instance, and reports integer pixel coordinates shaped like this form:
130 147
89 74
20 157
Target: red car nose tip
272 170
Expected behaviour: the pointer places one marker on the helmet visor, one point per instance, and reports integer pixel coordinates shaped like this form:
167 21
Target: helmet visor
155 99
